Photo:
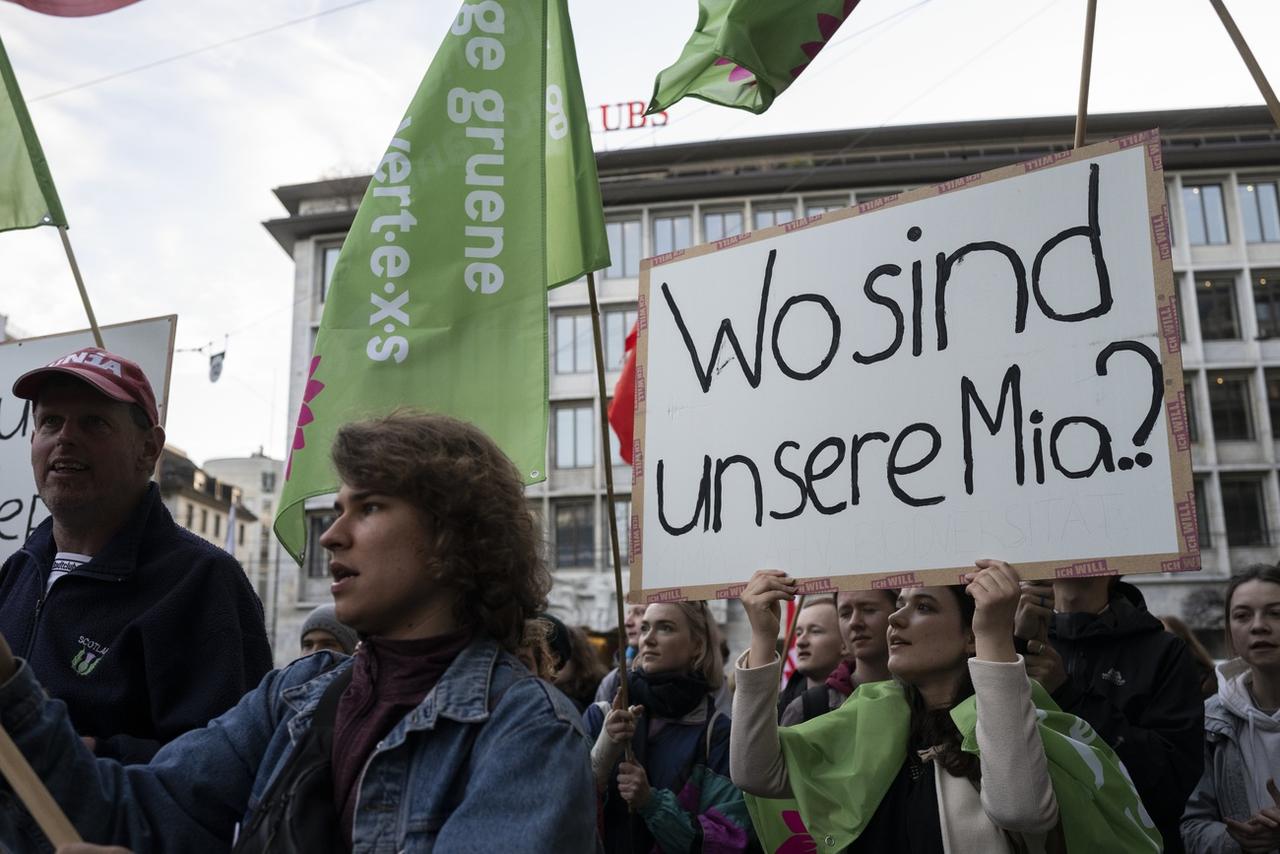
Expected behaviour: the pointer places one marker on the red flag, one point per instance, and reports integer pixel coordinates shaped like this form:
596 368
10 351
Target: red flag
622 410
73 8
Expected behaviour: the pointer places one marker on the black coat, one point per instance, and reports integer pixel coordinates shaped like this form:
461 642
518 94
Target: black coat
1137 685
158 634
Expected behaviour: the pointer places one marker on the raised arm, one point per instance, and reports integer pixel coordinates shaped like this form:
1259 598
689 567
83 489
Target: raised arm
756 764
1017 792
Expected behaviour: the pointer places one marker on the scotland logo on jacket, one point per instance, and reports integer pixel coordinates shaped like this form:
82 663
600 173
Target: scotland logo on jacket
90 655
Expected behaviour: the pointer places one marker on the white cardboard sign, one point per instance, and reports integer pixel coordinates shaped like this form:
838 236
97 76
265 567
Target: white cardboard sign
881 395
147 342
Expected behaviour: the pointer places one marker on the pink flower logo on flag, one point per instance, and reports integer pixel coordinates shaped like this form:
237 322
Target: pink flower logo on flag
801 842
738 72
305 416
827 26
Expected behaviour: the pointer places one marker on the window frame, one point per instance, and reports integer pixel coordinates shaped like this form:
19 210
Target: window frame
581 554
577 349
722 212
670 216
1204 226
577 410
1217 284
625 262
1224 380
1231 511
1251 200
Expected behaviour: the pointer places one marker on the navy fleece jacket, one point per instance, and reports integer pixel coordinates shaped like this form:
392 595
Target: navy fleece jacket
158 634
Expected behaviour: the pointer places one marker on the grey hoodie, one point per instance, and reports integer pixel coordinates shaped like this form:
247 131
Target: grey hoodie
1242 751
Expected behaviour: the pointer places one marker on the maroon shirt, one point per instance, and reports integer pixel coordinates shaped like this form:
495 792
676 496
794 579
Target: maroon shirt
389 679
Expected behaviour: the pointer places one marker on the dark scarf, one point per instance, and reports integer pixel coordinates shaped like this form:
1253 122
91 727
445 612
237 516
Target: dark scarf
667 695
841 679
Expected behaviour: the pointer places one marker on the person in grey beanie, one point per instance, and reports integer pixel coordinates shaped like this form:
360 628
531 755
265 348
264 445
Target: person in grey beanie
323 631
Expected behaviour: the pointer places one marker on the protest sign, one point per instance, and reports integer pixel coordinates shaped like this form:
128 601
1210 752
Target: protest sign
878 396
147 342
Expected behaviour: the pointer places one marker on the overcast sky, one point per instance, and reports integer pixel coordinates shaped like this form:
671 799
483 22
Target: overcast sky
166 172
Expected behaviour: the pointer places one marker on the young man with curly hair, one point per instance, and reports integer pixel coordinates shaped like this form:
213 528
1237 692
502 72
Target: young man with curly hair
442 739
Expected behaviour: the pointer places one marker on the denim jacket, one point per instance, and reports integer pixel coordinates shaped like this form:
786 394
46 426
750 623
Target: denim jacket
492 759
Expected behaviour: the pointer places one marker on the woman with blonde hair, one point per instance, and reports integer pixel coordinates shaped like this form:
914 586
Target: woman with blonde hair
671 791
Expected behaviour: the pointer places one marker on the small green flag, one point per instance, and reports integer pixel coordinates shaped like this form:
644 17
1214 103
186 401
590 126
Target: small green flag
486 197
744 53
27 194
842 764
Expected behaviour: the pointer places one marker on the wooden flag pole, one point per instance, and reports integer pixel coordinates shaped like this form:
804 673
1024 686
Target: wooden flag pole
624 693
1268 94
33 794
1086 65
84 294
607 457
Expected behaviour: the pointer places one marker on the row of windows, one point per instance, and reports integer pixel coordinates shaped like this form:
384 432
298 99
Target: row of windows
1218 306
1207 217
674 231
1202 204
189 523
1231 405
575 348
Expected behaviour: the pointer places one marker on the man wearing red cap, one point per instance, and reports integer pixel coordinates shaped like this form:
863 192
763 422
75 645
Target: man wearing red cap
142 628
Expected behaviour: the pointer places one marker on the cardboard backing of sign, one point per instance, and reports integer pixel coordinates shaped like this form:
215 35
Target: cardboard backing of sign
650 583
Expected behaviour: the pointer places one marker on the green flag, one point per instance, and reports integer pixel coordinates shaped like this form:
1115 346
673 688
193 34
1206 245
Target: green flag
27 194
842 764
487 195
744 53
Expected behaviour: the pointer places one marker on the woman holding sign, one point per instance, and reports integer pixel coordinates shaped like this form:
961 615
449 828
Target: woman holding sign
959 752
673 794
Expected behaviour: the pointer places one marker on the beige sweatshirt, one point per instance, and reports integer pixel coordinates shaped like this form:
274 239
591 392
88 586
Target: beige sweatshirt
1017 794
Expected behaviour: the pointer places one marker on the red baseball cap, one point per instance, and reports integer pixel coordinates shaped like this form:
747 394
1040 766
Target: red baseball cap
115 376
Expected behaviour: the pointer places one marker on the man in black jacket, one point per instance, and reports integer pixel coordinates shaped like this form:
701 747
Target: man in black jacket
142 628
1110 662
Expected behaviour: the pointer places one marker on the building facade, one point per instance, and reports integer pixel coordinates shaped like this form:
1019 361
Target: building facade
259 479
1222 171
205 505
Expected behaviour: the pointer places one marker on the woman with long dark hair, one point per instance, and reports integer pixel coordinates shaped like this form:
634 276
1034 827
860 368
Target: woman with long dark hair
1236 806
950 756
662 765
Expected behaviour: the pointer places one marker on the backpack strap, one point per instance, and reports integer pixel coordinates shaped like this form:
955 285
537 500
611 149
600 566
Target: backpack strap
814 702
326 712
713 714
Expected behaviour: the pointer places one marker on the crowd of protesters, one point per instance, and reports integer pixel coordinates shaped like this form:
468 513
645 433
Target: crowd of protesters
438 706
